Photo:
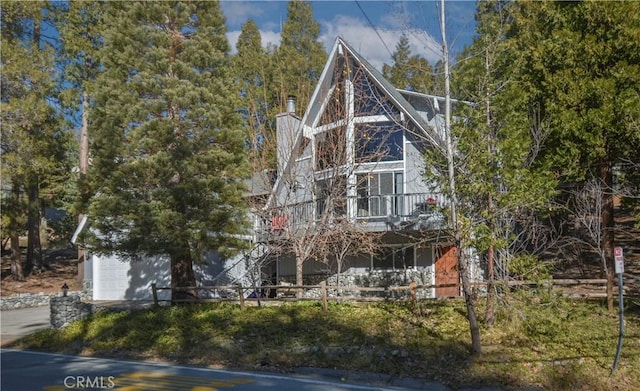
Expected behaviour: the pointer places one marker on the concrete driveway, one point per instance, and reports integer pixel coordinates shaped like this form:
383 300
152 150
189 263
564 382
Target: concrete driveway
15 324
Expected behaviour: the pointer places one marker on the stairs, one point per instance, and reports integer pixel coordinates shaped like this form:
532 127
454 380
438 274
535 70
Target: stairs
243 270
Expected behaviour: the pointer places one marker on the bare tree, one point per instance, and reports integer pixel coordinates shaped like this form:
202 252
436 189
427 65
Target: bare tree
345 239
319 174
584 206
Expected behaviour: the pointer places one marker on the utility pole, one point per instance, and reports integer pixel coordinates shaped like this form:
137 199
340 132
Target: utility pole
462 261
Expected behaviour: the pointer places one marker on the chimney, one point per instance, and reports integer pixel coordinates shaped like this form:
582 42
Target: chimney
287 127
291 104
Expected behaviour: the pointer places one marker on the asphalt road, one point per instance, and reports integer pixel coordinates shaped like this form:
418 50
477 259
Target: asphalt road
32 371
15 324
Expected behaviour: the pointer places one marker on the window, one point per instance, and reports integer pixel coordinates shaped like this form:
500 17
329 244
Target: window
379 142
394 258
368 99
336 106
380 194
331 196
331 148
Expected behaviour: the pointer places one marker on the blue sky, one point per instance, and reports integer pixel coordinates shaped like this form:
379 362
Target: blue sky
419 20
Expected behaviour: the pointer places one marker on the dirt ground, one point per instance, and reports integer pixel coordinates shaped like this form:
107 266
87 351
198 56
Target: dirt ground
61 267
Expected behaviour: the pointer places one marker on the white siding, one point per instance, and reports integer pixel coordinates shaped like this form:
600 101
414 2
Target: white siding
115 279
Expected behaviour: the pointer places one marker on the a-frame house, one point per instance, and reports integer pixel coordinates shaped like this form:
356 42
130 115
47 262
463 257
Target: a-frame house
354 162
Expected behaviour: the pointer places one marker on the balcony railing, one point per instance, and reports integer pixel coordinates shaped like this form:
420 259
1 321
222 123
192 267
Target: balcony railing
424 211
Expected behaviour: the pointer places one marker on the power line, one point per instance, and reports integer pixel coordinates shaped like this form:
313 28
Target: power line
374 28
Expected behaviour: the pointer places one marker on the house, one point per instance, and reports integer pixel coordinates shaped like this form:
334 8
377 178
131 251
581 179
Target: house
355 161
351 167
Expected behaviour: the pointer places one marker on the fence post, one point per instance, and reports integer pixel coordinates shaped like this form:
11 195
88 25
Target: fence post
323 289
241 296
154 291
412 292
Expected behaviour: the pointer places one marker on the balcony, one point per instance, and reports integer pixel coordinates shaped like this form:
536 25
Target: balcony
389 212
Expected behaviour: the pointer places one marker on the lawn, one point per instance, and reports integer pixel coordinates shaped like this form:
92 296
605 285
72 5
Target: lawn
538 340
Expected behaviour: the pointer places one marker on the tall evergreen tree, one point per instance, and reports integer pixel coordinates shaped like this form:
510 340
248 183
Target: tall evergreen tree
300 57
79 24
409 72
579 65
34 141
498 183
168 146
254 74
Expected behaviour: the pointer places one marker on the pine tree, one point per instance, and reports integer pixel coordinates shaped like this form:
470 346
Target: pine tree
300 57
34 140
79 24
168 146
580 69
253 70
498 183
409 72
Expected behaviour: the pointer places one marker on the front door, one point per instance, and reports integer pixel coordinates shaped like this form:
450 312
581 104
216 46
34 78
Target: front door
447 271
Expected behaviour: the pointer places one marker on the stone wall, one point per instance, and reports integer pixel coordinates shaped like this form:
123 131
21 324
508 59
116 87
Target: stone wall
378 278
28 300
68 309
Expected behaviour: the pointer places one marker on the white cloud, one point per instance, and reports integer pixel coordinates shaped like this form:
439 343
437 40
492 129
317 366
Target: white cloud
366 42
237 12
269 38
356 32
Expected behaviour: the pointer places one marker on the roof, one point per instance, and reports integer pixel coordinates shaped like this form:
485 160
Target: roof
397 97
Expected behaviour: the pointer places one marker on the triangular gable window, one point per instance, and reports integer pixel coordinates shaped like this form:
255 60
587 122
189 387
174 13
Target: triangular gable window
368 99
336 108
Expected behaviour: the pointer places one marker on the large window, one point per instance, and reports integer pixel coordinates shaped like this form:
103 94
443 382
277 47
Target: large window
331 196
336 108
368 99
379 142
394 258
331 148
380 194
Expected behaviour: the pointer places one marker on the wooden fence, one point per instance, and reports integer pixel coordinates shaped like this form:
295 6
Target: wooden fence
586 288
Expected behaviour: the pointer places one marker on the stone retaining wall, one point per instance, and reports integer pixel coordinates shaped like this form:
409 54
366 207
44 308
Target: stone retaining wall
68 309
377 279
28 300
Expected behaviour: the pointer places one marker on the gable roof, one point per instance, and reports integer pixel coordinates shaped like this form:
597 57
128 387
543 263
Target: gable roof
315 106
396 97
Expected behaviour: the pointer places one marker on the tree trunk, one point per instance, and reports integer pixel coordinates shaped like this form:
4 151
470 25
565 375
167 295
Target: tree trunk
299 275
182 276
339 291
468 300
462 262
16 259
34 247
491 297
84 165
14 230
607 215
